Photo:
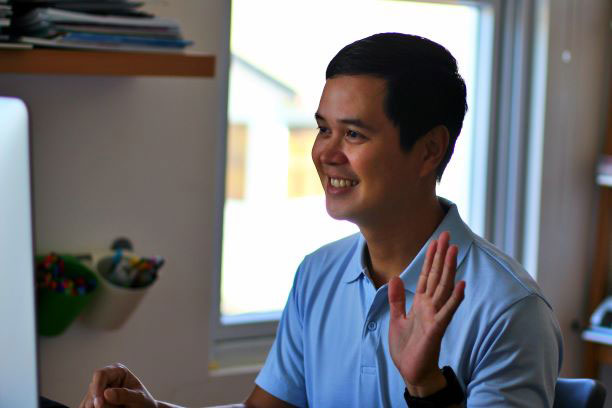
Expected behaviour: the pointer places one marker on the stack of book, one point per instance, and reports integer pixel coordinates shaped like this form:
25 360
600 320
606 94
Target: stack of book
94 24
6 12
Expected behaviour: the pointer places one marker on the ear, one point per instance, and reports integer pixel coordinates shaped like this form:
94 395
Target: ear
435 143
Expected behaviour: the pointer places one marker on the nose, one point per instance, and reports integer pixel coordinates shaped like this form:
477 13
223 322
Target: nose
329 151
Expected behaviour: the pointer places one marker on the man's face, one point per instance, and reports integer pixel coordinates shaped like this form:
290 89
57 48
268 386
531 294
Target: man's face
366 175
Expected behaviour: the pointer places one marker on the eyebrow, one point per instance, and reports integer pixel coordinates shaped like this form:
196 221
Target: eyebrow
348 121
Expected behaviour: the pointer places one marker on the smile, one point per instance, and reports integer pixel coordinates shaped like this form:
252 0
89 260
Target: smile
341 183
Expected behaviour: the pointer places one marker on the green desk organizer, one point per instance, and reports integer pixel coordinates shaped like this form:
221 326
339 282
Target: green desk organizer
56 311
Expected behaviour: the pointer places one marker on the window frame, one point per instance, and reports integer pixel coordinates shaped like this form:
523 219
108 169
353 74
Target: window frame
505 30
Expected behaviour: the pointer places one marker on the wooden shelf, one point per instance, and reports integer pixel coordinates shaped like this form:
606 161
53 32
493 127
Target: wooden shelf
604 169
70 62
598 348
597 354
597 336
604 180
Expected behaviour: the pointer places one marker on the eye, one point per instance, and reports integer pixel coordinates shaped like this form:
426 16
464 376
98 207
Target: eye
351 134
322 129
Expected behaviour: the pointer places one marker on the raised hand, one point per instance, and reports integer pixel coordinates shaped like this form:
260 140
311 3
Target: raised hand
115 385
414 339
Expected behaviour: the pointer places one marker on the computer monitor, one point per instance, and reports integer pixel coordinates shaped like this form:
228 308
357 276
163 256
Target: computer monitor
18 342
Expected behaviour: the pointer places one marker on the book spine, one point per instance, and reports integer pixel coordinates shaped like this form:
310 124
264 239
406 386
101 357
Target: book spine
119 39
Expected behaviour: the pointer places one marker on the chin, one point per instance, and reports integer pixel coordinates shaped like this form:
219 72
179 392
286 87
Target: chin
341 214
336 213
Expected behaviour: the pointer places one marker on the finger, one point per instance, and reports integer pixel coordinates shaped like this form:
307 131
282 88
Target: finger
397 298
429 255
447 311
124 396
438 263
447 281
85 400
112 375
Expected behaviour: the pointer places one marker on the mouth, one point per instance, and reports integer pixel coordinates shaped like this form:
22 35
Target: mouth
342 182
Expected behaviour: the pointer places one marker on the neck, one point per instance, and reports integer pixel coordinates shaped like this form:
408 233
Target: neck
393 244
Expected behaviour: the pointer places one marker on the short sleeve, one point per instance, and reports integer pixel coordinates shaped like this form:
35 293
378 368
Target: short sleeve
283 372
519 359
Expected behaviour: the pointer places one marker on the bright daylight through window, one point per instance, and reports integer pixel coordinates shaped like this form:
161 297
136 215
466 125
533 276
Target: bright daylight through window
274 210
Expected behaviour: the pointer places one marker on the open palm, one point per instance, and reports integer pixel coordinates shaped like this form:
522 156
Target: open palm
414 339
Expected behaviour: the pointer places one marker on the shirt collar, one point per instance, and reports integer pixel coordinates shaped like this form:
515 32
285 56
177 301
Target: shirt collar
460 234
357 265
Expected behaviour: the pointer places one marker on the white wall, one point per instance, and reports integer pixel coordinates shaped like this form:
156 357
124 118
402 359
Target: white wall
573 129
136 157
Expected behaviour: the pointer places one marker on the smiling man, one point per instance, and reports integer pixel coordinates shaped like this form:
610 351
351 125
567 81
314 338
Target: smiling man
395 314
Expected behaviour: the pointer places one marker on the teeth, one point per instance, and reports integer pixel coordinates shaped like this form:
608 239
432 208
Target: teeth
341 183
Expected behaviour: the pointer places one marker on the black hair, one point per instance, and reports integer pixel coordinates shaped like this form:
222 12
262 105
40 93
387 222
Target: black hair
424 88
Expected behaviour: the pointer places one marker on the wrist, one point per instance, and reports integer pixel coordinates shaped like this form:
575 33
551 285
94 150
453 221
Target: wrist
429 386
452 395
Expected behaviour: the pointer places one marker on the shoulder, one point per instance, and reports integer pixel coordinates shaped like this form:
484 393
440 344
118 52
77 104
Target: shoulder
500 296
494 280
321 273
504 321
335 249
496 277
331 258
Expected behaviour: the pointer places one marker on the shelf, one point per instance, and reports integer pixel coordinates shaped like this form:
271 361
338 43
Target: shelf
604 180
69 62
601 353
604 171
597 336
598 344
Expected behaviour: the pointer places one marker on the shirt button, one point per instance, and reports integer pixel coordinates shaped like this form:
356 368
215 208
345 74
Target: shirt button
372 326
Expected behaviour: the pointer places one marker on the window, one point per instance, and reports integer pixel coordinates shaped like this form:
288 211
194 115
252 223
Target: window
274 212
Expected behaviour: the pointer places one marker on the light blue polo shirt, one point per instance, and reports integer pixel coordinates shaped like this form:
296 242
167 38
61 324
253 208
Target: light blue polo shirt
331 349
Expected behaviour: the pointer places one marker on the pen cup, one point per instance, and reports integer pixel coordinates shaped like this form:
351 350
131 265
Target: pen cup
114 303
61 297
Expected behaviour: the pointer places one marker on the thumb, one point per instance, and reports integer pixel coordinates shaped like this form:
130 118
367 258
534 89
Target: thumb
397 298
124 396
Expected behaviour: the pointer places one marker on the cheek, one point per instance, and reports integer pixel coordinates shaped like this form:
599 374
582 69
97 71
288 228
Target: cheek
318 151
366 165
379 172
315 153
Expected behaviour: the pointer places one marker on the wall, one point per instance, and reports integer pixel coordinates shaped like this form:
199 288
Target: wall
575 100
135 157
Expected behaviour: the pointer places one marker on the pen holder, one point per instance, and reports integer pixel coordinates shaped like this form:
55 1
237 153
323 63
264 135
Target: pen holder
64 287
115 302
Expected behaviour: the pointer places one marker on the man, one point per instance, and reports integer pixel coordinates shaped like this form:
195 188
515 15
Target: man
389 116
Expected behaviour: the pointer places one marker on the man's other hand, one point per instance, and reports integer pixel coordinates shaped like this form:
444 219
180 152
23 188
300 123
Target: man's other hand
115 385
